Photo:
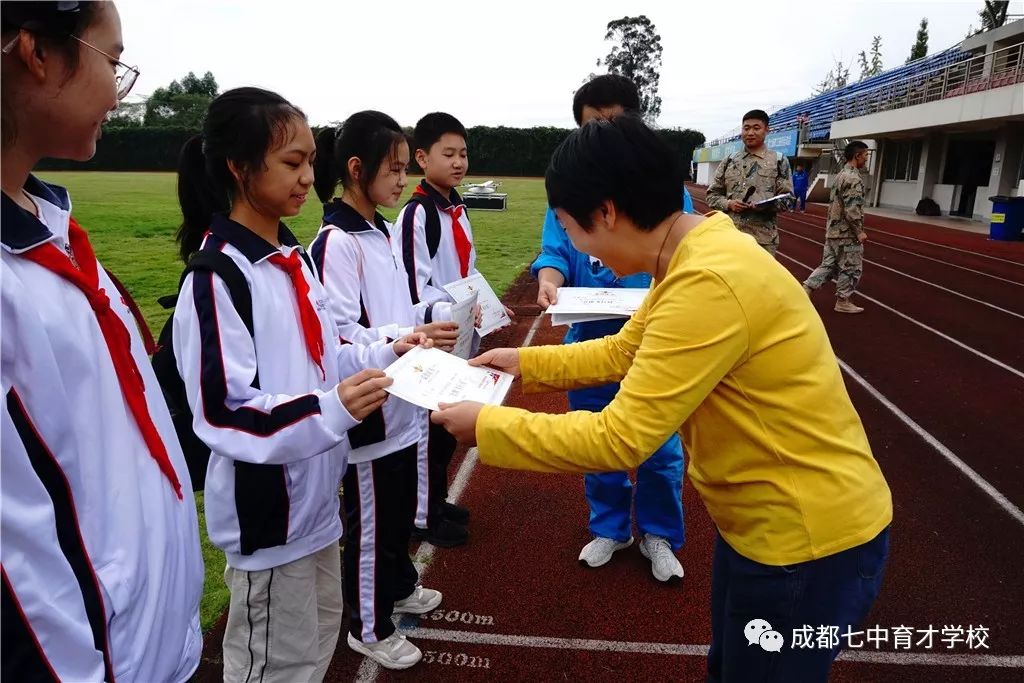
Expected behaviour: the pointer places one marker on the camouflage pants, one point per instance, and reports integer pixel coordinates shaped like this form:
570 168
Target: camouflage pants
766 235
842 258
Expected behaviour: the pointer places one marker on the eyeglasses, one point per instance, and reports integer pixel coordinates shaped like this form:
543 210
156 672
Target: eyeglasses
124 78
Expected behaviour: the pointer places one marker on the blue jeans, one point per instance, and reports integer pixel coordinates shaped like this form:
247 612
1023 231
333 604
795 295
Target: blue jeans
659 496
837 590
801 196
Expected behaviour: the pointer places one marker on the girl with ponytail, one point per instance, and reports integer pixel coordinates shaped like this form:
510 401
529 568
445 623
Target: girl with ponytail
369 301
267 394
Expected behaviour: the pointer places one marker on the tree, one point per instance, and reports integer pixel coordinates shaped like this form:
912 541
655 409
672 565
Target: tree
874 66
127 115
992 15
636 55
837 77
920 47
181 103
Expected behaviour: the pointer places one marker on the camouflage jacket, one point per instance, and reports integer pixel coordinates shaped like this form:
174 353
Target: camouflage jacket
846 209
768 172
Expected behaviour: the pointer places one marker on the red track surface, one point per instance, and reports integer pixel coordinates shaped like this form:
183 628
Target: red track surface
956 552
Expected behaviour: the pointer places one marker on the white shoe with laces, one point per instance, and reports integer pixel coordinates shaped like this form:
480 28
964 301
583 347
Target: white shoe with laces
421 601
394 652
600 550
664 564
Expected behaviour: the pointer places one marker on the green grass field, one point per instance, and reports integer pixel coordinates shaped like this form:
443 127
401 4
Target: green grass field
131 219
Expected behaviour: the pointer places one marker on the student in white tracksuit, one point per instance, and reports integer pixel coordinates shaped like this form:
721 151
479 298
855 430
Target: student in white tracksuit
101 567
272 406
369 301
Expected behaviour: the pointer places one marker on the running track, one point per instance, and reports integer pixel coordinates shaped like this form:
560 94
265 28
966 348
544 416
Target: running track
935 367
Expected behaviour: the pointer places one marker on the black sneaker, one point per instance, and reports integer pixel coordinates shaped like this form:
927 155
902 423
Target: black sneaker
445 534
454 513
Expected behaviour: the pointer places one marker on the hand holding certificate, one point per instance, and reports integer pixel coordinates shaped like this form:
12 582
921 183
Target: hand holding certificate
583 304
427 377
494 315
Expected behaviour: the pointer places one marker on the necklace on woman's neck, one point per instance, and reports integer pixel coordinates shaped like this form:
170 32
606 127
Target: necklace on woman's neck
657 264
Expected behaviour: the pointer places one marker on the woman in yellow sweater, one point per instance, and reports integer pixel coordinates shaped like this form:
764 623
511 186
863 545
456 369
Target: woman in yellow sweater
728 350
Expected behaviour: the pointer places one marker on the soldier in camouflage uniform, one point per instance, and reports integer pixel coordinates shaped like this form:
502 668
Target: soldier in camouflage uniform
755 166
844 232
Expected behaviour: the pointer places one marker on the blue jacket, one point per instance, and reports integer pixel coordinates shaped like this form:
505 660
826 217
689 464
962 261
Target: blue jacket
581 270
799 182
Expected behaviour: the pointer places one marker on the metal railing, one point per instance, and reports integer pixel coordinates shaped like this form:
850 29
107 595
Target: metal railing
983 72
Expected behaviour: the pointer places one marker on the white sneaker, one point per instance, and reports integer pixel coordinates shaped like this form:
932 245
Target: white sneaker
421 601
664 564
394 652
600 550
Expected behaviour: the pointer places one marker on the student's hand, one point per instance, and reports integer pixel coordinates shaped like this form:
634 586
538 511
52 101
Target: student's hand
410 342
459 419
547 295
736 206
443 334
509 312
478 316
862 237
506 360
363 392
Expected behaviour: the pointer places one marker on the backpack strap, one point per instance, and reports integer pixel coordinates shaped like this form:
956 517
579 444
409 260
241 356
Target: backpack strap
147 335
238 287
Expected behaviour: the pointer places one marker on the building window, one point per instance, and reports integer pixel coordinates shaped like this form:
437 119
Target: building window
902 159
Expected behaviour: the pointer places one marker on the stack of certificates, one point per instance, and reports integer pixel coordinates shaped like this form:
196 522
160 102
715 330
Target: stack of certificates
584 304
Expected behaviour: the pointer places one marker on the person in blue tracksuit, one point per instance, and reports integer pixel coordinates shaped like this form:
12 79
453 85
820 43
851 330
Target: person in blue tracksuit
658 491
800 179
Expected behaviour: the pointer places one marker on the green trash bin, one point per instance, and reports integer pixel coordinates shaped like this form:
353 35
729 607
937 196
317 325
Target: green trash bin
1007 218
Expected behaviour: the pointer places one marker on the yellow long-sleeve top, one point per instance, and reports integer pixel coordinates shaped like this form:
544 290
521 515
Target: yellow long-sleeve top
728 350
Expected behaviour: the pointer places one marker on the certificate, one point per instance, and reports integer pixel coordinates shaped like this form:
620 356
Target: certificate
462 314
492 310
427 377
583 304
771 199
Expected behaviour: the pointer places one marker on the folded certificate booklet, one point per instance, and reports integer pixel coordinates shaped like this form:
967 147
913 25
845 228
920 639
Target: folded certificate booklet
771 199
462 314
492 310
427 377
584 304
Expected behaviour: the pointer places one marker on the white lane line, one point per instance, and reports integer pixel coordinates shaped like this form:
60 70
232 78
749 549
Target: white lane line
922 325
876 243
903 658
979 481
370 669
912 277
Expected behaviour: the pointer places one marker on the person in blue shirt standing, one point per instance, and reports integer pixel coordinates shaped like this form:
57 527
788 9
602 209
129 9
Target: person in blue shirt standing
800 186
658 490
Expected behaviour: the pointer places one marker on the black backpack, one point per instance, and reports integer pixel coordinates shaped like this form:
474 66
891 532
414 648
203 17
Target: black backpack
433 226
197 453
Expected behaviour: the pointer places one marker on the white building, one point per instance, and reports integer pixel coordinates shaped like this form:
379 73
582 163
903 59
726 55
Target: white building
949 127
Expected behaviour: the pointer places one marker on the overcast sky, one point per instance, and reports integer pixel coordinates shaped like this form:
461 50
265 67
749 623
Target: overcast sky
518 63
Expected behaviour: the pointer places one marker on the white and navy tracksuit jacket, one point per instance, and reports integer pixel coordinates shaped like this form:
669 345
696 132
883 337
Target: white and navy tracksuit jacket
275 425
102 570
427 276
369 298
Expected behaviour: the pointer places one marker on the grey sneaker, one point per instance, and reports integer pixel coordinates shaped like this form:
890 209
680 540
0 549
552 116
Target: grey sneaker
421 601
600 550
664 564
394 652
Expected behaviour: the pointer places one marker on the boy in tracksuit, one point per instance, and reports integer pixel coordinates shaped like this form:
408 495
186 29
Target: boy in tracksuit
440 142
610 495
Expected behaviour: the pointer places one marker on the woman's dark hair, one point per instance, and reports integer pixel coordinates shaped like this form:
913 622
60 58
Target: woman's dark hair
241 126
606 90
53 24
370 136
621 160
